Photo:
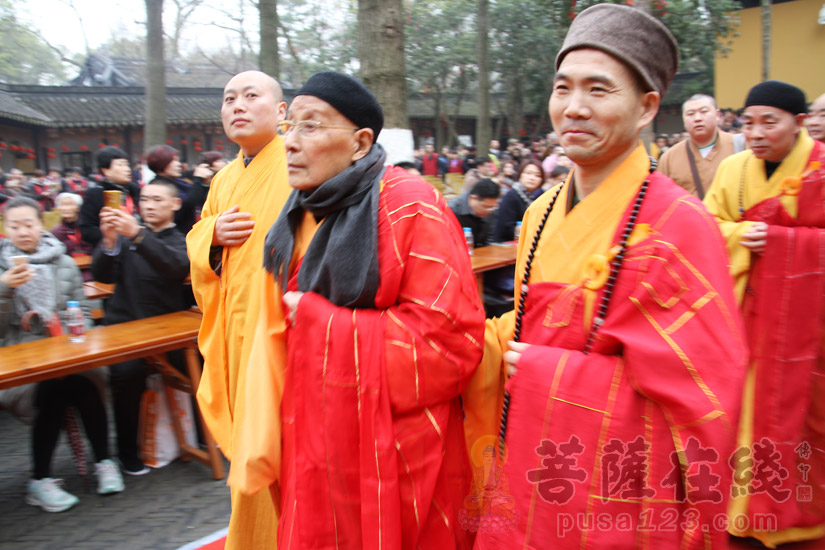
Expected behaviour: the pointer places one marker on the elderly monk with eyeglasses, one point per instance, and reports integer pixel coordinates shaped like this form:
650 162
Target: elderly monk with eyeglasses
357 422
226 253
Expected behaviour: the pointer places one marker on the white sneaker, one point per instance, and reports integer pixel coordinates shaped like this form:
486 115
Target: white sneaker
49 495
109 479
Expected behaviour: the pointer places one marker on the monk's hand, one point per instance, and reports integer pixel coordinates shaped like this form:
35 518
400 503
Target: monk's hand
17 275
291 300
756 237
513 356
232 228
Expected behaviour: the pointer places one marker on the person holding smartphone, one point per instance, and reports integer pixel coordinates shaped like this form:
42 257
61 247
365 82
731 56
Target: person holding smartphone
37 280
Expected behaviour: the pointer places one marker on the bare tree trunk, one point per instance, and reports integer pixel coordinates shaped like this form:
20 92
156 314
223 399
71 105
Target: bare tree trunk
381 52
156 79
483 52
766 39
269 60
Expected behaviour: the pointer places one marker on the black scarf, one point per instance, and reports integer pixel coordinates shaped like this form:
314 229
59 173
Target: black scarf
341 263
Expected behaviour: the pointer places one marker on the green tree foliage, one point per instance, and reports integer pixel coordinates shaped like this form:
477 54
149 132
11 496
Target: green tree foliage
317 35
441 58
25 58
525 36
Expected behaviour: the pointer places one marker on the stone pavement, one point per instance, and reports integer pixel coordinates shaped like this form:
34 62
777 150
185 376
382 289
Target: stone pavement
163 510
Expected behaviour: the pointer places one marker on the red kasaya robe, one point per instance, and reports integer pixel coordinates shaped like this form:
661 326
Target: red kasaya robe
627 446
373 443
784 307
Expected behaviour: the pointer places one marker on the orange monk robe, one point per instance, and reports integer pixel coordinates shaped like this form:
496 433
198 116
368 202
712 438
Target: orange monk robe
229 301
781 292
627 446
383 467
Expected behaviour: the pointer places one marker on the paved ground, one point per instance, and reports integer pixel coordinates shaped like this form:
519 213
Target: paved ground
162 510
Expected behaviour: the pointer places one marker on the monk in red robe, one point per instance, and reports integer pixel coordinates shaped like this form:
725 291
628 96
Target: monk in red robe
770 204
621 407
384 329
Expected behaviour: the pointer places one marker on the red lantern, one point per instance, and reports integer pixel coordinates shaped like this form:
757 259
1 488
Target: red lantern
64 148
184 142
51 156
219 146
84 148
3 145
168 142
218 142
50 150
31 156
101 145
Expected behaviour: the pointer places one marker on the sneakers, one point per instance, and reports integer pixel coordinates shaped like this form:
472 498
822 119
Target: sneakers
49 495
134 466
109 479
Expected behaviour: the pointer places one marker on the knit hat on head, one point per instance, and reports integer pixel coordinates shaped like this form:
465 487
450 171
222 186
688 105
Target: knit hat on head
774 93
349 96
635 38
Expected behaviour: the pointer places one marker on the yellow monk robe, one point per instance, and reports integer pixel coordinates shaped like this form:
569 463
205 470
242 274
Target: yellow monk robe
230 304
258 442
739 185
652 379
588 230
723 199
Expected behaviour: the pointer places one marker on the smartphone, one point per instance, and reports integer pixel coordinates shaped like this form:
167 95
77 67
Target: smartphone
19 260
112 199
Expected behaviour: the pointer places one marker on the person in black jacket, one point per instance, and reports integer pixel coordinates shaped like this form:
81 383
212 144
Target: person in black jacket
148 265
113 164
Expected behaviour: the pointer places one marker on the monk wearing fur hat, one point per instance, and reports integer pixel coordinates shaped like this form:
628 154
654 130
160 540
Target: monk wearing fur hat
625 354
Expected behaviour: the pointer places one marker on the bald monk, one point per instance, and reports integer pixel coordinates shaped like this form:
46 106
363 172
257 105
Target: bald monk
225 249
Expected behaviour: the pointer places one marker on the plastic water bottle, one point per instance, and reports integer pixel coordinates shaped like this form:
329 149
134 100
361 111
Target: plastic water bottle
75 322
517 231
468 236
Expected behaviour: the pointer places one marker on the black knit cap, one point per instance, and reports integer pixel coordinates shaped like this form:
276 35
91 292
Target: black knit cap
349 96
774 93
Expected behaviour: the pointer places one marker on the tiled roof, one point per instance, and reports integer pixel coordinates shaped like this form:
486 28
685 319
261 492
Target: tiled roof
76 106
14 109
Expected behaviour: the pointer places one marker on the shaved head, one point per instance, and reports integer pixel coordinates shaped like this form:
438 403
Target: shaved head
253 104
261 78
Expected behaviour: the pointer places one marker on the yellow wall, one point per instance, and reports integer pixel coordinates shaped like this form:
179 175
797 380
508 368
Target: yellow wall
797 52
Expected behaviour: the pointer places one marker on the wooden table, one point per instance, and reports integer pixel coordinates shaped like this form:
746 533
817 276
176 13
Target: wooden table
486 258
97 291
83 261
147 339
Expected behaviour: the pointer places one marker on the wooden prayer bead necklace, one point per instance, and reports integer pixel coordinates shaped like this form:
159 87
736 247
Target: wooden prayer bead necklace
615 265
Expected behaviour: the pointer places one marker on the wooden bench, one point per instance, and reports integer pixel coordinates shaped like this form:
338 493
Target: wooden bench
148 339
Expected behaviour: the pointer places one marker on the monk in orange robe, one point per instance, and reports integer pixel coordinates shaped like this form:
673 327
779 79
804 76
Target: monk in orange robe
385 329
770 205
225 249
625 355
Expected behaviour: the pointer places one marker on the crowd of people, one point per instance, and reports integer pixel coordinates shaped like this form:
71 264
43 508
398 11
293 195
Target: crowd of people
646 375
138 243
